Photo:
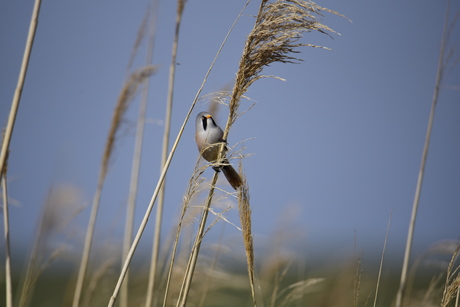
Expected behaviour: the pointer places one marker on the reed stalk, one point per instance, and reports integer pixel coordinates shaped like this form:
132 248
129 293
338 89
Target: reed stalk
381 262
418 189
158 219
6 227
127 94
148 211
212 267
274 38
192 189
20 85
190 269
131 205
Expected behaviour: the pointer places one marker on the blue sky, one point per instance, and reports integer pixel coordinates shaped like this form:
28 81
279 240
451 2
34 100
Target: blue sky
335 148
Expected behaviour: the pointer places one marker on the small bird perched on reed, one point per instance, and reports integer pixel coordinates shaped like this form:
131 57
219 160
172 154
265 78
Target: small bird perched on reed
208 137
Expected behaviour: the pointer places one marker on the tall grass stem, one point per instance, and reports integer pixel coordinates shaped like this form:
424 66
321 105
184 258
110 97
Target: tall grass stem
87 245
211 269
163 174
418 189
130 210
194 102
199 236
457 296
196 247
158 219
19 86
128 92
149 208
381 261
192 189
273 39
6 227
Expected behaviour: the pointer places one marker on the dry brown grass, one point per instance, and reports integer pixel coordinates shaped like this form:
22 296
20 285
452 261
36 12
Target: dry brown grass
275 38
278 27
452 283
127 94
245 211
63 204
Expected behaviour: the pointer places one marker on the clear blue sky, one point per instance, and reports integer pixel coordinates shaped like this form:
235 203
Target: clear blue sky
336 147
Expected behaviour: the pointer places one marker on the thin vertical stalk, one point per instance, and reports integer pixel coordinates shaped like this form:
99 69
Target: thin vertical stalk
381 262
6 223
164 155
127 94
192 189
190 269
196 247
181 302
457 297
137 158
33 266
87 244
212 268
418 189
20 85
272 39
143 224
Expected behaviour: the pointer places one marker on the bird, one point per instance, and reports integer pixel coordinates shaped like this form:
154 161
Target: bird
208 137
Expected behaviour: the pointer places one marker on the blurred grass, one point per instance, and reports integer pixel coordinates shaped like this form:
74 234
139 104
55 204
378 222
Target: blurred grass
228 284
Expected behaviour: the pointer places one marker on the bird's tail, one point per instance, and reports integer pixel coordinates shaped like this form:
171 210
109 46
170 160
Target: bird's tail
232 176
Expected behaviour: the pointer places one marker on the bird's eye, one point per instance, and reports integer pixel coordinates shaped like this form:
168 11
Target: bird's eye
205 122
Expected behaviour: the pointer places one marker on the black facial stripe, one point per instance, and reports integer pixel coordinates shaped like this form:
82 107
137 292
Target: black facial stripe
205 122
213 122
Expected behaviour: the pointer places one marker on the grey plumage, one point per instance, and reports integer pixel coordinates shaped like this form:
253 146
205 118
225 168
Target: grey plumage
208 137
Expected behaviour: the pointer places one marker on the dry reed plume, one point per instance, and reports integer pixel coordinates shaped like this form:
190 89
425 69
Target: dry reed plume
244 209
274 38
452 284
278 27
127 94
